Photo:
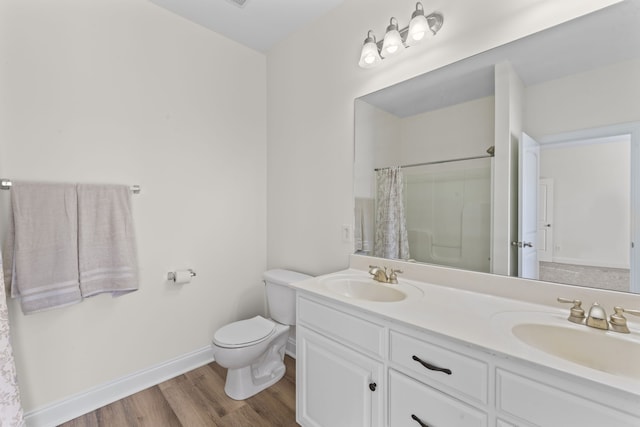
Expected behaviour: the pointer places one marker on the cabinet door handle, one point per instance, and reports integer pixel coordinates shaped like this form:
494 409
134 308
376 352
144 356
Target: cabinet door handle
419 421
431 367
372 386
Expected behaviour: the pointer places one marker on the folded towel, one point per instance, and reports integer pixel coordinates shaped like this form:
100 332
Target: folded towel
44 246
106 241
364 224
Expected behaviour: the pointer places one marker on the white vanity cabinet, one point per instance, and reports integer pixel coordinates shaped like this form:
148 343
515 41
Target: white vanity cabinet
356 368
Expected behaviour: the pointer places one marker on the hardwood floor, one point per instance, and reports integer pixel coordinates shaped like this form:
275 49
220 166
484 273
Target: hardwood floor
197 398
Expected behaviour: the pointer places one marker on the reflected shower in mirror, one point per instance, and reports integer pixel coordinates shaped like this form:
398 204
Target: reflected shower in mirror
577 93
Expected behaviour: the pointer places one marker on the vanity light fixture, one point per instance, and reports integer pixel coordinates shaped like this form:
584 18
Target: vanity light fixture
395 40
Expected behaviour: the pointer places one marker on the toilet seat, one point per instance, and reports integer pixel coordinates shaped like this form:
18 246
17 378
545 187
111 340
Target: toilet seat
244 332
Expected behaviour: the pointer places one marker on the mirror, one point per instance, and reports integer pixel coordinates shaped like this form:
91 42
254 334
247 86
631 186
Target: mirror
577 94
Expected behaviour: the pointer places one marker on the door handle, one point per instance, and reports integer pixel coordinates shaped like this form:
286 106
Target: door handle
522 244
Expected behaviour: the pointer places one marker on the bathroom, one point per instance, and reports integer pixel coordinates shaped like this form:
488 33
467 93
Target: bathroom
245 158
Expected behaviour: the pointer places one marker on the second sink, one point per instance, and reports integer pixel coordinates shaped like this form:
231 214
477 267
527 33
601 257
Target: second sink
553 334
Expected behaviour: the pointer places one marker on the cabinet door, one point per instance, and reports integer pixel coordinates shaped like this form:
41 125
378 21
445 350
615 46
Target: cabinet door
336 386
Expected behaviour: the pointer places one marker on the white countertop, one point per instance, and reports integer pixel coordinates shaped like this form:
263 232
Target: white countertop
479 319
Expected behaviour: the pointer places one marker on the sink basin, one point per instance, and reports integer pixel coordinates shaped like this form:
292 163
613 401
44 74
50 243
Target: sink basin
609 352
366 289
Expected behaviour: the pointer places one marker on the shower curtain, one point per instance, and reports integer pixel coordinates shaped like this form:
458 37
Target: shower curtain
391 239
11 414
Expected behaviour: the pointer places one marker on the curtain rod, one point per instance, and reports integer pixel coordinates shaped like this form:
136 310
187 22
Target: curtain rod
6 184
437 162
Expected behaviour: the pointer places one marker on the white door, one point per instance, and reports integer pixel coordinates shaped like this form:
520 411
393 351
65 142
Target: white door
528 177
336 386
545 220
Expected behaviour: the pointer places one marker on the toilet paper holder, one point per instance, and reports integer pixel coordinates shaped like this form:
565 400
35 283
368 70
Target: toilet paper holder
172 274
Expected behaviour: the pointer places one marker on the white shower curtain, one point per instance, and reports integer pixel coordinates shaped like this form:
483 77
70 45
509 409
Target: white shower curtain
391 239
11 414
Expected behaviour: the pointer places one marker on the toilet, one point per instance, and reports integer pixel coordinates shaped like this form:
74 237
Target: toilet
253 349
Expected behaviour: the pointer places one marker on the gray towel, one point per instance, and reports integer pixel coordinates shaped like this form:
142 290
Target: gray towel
43 246
106 240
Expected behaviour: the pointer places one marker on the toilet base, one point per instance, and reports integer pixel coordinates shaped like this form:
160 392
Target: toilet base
239 385
245 382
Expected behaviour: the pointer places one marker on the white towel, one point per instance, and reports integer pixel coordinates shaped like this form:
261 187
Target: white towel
106 240
44 246
364 224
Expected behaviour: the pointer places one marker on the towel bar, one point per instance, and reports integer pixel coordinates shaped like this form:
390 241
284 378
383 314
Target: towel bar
173 274
5 184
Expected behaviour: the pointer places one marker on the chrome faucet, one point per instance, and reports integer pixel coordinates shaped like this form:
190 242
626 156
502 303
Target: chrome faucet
381 275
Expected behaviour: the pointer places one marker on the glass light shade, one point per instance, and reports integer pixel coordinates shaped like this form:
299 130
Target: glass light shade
369 57
418 29
392 43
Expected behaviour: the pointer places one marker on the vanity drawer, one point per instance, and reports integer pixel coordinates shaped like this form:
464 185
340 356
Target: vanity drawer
349 329
552 406
468 376
409 398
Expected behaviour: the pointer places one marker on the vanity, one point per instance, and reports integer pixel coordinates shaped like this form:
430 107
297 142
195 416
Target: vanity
446 347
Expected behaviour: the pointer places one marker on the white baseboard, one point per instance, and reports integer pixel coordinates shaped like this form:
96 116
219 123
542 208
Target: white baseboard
97 397
290 348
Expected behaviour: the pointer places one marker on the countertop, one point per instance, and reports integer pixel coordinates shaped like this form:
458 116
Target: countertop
482 320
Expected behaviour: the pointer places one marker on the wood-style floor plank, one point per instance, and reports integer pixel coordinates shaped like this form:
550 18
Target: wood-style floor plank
211 385
196 399
149 408
113 414
188 403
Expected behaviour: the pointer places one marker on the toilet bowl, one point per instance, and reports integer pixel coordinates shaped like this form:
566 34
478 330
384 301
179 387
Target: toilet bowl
253 349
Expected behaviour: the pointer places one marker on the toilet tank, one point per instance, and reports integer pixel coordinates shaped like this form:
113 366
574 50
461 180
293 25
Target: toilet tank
281 297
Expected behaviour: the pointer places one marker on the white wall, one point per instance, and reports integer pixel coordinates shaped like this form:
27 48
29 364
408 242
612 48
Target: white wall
313 79
123 91
377 137
597 98
462 130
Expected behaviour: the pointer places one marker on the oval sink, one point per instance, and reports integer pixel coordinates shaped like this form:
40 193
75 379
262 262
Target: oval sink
609 352
365 289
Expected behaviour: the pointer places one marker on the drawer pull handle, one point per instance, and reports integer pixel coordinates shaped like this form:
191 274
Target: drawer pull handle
431 367
372 386
419 421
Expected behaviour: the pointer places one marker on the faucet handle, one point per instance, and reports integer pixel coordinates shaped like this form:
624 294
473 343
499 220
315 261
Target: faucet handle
393 276
576 314
618 321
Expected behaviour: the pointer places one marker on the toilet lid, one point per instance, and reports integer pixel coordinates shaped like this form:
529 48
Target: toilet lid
244 332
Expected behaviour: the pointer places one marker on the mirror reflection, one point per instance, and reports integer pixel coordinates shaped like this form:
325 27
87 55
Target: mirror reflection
517 161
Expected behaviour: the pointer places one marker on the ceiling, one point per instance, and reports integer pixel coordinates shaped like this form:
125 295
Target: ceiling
604 37
257 24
